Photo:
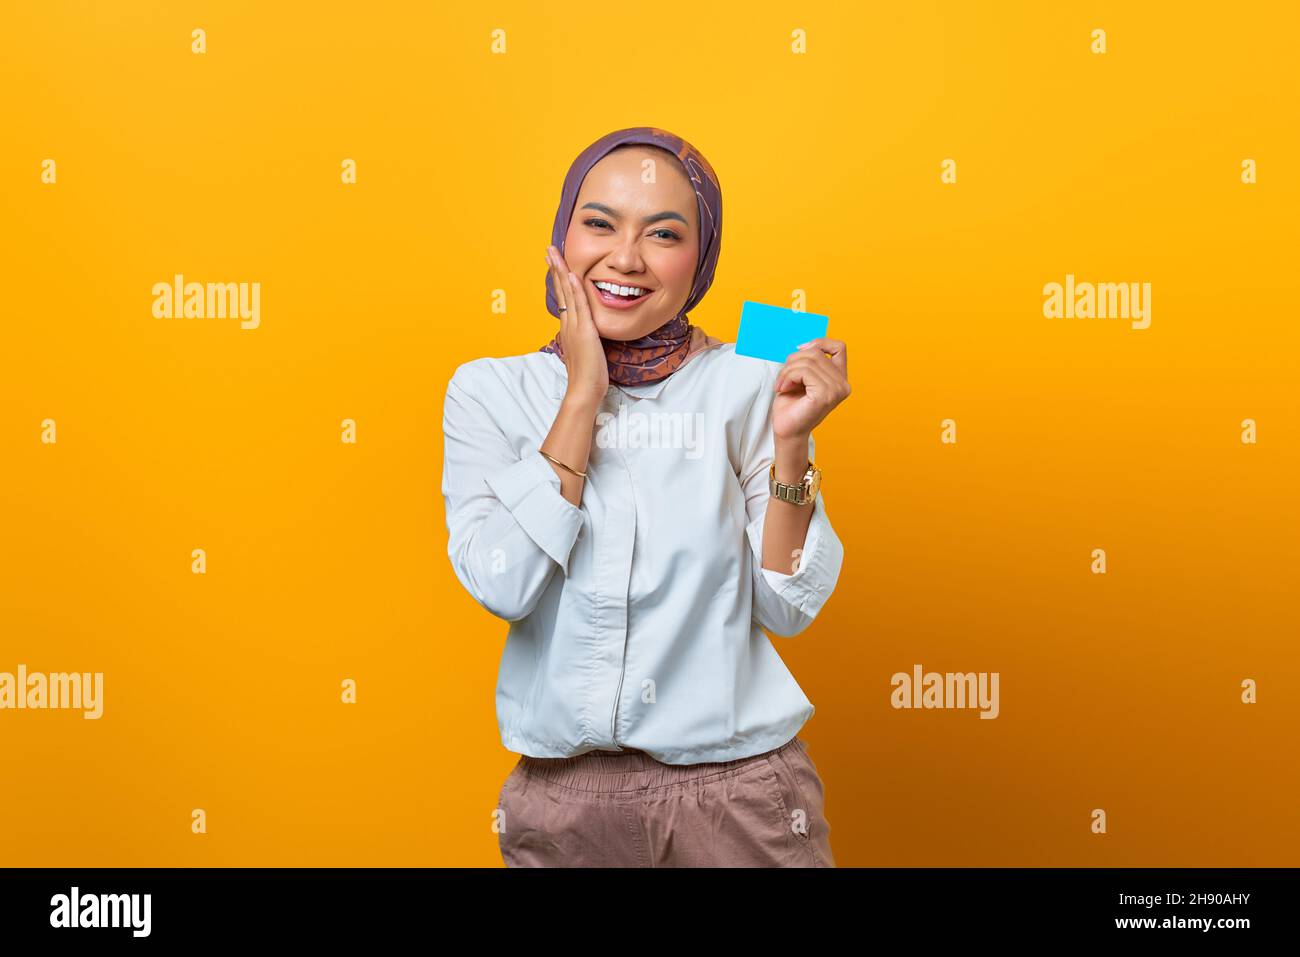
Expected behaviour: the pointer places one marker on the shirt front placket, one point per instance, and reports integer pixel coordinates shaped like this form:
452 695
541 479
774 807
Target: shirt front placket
612 560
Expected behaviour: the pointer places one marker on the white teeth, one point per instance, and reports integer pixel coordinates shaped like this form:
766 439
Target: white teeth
620 290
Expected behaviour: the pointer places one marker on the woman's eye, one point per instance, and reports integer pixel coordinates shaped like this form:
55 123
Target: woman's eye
664 233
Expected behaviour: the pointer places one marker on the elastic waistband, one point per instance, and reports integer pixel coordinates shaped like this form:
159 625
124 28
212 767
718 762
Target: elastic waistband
610 771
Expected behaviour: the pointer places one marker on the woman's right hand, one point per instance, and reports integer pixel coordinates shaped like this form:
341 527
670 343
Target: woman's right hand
584 353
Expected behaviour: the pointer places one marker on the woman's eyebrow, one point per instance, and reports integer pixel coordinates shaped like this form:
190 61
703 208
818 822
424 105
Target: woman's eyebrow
666 214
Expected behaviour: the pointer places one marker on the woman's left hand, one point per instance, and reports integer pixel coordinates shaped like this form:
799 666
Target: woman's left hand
814 380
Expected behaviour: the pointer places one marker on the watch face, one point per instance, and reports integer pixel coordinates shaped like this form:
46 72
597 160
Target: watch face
814 484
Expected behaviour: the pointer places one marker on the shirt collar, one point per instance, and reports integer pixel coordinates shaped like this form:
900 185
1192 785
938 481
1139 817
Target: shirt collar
644 390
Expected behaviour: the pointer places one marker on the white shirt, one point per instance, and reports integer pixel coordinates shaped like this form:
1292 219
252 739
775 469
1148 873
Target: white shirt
636 620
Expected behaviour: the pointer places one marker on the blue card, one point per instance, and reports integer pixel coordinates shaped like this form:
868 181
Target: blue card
770 332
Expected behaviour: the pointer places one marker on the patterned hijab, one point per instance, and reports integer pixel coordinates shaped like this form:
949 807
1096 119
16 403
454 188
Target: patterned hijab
661 352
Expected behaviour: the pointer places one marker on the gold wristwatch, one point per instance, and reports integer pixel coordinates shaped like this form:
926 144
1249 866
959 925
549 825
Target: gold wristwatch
801 494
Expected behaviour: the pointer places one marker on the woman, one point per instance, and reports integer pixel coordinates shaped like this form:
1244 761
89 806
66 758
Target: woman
614 497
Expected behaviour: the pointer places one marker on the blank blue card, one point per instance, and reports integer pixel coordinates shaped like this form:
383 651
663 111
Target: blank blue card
770 332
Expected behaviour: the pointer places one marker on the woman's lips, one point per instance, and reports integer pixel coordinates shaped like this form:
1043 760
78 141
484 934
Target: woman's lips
618 302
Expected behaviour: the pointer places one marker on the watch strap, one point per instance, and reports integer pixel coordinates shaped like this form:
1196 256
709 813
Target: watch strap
794 494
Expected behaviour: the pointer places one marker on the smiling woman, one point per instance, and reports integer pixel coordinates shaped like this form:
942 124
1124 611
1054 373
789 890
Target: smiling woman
640 504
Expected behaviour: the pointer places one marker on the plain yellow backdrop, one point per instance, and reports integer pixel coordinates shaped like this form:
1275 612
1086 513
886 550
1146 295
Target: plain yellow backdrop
328 561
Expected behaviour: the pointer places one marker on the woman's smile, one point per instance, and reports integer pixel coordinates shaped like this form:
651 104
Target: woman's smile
606 295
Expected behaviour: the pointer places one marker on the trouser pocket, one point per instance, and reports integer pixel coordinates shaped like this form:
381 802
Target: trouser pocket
803 796
504 812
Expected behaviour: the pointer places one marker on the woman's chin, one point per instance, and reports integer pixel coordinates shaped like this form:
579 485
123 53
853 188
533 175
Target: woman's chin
609 327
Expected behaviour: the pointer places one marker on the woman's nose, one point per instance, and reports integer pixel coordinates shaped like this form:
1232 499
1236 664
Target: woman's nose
625 257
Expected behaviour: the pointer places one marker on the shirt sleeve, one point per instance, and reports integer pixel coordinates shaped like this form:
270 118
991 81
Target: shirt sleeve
509 528
784 604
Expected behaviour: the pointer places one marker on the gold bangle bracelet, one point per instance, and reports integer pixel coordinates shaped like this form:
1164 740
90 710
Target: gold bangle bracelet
563 466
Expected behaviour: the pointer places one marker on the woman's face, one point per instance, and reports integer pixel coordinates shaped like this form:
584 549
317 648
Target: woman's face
634 233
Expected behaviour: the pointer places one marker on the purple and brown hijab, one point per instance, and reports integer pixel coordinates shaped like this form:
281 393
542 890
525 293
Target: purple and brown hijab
660 353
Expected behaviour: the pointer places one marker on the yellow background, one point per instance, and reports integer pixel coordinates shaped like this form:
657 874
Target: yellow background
328 561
